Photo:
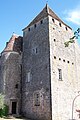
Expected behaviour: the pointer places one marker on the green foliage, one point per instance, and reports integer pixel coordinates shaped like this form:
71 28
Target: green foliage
4 111
3 108
72 40
1 101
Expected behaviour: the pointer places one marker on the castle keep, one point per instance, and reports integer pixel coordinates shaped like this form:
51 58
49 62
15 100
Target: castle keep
39 76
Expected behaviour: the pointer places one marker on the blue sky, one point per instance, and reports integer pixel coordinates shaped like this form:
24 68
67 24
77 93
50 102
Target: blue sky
17 14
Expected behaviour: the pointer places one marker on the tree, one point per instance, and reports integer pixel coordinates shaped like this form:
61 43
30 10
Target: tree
72 40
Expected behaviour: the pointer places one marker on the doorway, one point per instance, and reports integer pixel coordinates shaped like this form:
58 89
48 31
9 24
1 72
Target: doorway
14 105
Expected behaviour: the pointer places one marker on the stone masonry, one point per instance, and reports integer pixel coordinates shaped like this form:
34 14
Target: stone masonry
39 76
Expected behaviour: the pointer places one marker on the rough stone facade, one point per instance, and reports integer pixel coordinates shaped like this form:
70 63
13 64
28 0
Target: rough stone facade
38 74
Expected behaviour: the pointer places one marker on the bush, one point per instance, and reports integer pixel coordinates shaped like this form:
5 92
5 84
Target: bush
4 111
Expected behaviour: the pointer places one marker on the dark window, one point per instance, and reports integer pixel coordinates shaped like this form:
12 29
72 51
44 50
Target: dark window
37 99
60 24
54 40
35 25
54 57
66 28
14 105
28 29
60 74
41 21
59 58
53 20
16 86
67 61
63 60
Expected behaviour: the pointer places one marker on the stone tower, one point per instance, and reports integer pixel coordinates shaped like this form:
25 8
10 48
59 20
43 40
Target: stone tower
10 75
39 76
50 75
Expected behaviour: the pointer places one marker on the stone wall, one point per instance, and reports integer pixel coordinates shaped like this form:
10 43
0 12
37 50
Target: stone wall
65 58
36 91
11 79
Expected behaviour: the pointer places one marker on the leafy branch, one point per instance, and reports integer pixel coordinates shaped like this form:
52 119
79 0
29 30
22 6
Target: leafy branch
72 39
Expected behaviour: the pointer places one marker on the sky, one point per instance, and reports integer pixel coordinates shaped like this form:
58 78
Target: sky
17 14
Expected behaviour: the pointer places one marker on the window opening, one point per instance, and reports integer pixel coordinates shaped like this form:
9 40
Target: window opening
37 99
60 74
60 24
53 20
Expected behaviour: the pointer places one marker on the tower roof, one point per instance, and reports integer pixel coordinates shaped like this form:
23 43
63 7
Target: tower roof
44 13
14 44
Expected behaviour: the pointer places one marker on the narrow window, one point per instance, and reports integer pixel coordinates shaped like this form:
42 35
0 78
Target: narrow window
60 24
54 57
53 20
16 86
59 58
28 77
66 28
37 99
41 21
63 60
60 74
67 61
72 63
28 29
54 40
35 25
35 50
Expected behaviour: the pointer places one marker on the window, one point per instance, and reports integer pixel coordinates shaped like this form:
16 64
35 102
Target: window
34 50
41 21
60 24
54 57
28 77
54 40
67 61
28 29
63 60
35 25
60 74
16 86
72 63
37 99
66 28
59 58
53 20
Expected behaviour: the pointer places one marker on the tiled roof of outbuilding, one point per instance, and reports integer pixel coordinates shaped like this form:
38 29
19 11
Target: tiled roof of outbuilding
44 13
14 44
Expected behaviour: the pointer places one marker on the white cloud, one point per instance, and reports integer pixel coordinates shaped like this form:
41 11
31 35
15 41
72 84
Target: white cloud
73 15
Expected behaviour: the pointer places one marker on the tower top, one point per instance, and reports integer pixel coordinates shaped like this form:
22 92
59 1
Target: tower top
43 14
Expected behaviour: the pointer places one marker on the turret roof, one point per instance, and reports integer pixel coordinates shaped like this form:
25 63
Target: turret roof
44 13
14 44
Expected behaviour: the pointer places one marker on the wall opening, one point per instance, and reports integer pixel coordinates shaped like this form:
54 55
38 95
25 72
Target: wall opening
14 107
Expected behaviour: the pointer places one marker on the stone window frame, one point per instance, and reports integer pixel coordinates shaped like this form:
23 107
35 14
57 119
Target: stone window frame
35 50
59 74
28 77
36 98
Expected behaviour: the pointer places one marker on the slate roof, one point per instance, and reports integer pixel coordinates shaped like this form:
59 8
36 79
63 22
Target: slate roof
44 13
